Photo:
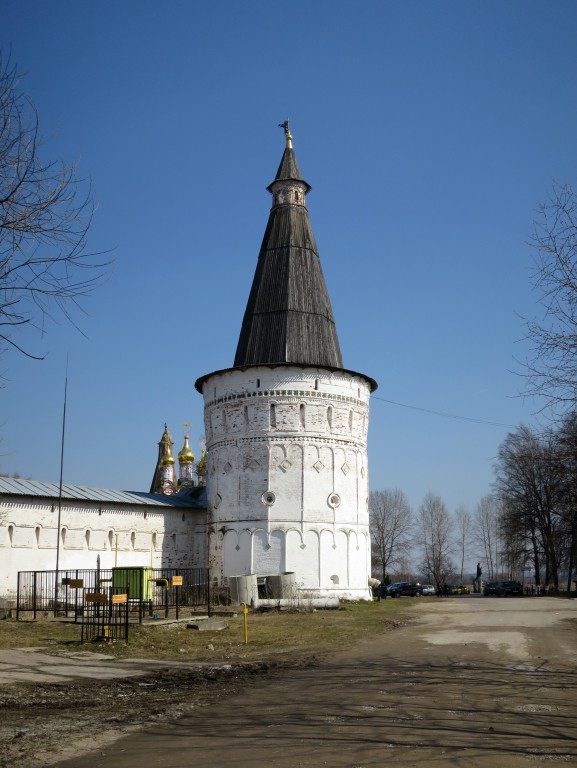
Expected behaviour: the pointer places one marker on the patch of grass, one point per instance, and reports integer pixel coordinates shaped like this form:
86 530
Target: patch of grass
27 634
270 635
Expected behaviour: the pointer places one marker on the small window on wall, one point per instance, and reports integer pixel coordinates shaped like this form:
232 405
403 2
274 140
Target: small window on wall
154 540
173 537
302 416
37 531
10 533
132 539
63 536
87 538
350 421
111 539
273 416
330 416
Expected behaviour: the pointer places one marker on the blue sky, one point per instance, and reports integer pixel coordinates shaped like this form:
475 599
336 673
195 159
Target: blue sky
429 131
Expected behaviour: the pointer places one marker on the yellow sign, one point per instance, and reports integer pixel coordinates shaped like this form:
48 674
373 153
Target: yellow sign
177 581
119 598
96 597
76 583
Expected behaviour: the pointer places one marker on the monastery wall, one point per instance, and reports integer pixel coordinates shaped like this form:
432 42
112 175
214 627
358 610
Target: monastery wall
122 535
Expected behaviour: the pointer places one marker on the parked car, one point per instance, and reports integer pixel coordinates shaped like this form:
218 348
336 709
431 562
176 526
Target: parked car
428 589
460 589
503 588
405 589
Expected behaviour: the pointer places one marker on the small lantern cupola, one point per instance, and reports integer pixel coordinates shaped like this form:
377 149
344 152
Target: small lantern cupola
289 187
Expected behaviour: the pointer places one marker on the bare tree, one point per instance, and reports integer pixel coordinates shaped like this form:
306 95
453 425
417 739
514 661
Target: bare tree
44 221
391 525
551 370
567 455
434 539
529 479
486 532
463 532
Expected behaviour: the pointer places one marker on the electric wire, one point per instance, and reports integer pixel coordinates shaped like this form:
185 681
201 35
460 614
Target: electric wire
445 415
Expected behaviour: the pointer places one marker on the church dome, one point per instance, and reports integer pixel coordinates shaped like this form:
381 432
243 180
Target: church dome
186 456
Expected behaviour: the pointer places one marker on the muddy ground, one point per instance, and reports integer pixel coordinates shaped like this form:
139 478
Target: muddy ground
44 723
472 682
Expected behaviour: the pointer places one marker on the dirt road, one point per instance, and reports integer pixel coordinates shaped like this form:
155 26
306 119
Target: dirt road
471 682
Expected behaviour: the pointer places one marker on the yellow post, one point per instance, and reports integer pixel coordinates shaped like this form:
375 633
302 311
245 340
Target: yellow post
245 612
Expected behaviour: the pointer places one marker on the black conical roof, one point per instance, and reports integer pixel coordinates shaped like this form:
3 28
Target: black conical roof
288 318
289 170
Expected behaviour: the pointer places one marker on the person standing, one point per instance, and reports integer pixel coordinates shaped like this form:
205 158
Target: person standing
477 582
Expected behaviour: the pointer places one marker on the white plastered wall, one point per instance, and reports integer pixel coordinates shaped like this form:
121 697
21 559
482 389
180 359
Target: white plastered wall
120 535
287 478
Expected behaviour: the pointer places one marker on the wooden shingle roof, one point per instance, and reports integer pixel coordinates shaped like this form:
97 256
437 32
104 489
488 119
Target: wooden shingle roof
288 318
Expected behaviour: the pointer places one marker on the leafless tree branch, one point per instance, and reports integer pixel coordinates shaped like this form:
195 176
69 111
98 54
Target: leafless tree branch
550 371
45 216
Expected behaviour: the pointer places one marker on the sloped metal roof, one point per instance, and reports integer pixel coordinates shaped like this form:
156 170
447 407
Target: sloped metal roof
194 498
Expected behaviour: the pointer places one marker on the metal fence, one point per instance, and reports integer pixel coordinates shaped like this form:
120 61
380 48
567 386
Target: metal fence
105 615
153 592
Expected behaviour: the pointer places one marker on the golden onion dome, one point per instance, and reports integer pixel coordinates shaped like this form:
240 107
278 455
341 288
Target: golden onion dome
167 457
186 456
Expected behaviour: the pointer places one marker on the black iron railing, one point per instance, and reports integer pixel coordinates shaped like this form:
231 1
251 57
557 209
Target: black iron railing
153 591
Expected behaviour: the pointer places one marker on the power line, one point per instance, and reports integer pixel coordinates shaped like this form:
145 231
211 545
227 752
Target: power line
445 415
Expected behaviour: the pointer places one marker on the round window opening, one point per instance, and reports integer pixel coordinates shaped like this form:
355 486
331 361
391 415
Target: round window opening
334 500
268 498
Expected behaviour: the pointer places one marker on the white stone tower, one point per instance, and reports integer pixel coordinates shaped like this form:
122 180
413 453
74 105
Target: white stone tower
286 427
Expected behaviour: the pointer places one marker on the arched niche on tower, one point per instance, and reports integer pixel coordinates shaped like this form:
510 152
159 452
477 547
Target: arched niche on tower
268 553
318 482
236 548
302 556
334 559
253 482
359 559
286 481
